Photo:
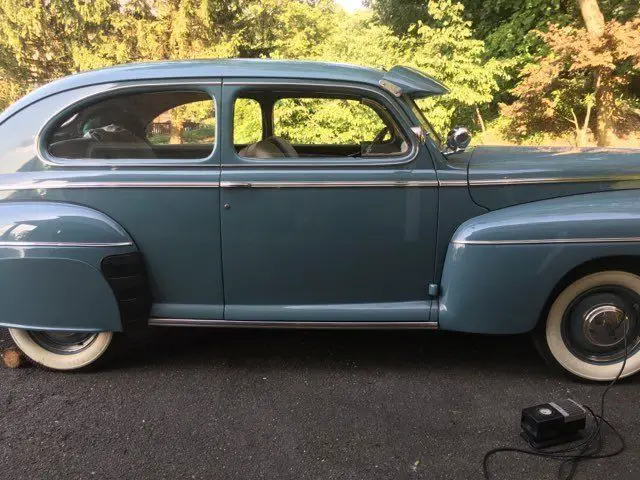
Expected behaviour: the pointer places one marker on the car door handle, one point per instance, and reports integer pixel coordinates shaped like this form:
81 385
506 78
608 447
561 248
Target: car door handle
235 184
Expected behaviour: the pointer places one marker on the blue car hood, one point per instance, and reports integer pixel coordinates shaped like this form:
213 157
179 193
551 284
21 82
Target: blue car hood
504 176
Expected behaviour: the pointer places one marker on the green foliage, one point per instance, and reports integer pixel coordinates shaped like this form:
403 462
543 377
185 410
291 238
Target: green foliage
443 46
399 15
247 121
325 121
480 49
446 49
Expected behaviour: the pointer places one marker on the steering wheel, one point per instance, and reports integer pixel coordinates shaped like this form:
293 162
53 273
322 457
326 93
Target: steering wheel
376 140
380 136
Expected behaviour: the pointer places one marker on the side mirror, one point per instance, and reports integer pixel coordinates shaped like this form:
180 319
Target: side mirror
458 140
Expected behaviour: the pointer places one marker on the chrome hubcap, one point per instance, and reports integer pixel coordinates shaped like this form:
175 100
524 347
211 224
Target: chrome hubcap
63 343
604 325
596 323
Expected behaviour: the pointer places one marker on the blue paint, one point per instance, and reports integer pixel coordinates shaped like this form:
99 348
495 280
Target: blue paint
57 222
55 294
501 288
345 253
230 69
614 214
617 167
504 289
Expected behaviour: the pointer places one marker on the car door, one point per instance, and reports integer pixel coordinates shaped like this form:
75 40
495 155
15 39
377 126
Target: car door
323 236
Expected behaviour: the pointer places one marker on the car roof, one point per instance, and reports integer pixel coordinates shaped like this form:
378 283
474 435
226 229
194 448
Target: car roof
409 80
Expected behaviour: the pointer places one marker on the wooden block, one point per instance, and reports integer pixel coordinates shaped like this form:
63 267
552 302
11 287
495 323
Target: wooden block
12 358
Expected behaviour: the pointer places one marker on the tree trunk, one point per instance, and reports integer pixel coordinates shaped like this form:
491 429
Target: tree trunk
593 17
603 78
480 119
605 106
176 132
581 132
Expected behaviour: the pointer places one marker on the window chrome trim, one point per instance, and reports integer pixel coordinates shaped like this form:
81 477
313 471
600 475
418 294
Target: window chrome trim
543 241
189 322
330 184
64 244
400 114
41 137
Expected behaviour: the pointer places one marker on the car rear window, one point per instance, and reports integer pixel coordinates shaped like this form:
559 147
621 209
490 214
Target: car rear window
151 125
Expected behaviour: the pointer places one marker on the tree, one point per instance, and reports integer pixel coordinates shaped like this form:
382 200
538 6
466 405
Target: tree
562 87
527 54
399 15
40 41
445 48
603 74
43 40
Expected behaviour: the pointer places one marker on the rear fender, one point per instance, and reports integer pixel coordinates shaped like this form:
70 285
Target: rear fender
51 275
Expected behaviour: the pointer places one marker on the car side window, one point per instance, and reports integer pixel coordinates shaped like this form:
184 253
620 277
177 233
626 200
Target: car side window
325 125
152 125
247 121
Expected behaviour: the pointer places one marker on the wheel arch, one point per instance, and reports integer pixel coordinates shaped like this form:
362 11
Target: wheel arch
625 263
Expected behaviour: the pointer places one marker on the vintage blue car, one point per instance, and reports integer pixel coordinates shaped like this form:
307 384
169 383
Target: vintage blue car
255 193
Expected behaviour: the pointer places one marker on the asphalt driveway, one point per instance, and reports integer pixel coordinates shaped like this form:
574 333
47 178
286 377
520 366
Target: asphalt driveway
214 404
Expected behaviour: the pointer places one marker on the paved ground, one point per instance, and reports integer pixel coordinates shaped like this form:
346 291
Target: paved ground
293 405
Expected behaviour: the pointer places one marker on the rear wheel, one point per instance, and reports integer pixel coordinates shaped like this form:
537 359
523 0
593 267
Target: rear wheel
62 350
592 323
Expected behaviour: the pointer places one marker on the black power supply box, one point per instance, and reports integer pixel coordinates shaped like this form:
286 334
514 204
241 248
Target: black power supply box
553 423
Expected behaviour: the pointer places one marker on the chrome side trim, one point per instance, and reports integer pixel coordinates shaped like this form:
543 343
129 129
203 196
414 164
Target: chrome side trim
542 180
61 184
330 184
452 183
548 241
64 244
55 184
188 322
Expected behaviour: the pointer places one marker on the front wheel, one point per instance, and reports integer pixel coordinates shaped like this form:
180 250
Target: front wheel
588 322
62 350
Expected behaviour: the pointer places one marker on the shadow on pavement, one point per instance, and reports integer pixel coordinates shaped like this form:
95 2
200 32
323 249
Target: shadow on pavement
325 348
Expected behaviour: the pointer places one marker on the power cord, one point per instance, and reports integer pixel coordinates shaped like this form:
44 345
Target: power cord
588 449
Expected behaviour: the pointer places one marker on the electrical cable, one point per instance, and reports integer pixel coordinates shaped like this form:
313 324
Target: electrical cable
588 449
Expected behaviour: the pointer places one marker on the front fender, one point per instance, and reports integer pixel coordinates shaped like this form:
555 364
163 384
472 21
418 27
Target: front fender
50 267
502 267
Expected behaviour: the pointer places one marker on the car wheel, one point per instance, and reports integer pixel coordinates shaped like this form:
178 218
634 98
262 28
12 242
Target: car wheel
587 323
62 350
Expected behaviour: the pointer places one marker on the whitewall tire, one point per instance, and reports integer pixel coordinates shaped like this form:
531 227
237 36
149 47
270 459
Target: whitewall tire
587 323
63 351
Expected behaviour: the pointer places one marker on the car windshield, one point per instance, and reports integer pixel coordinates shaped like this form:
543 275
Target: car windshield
424 123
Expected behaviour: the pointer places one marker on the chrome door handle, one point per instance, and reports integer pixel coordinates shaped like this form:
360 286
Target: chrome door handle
235 184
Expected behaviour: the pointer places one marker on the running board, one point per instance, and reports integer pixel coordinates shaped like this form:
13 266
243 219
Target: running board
188 322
